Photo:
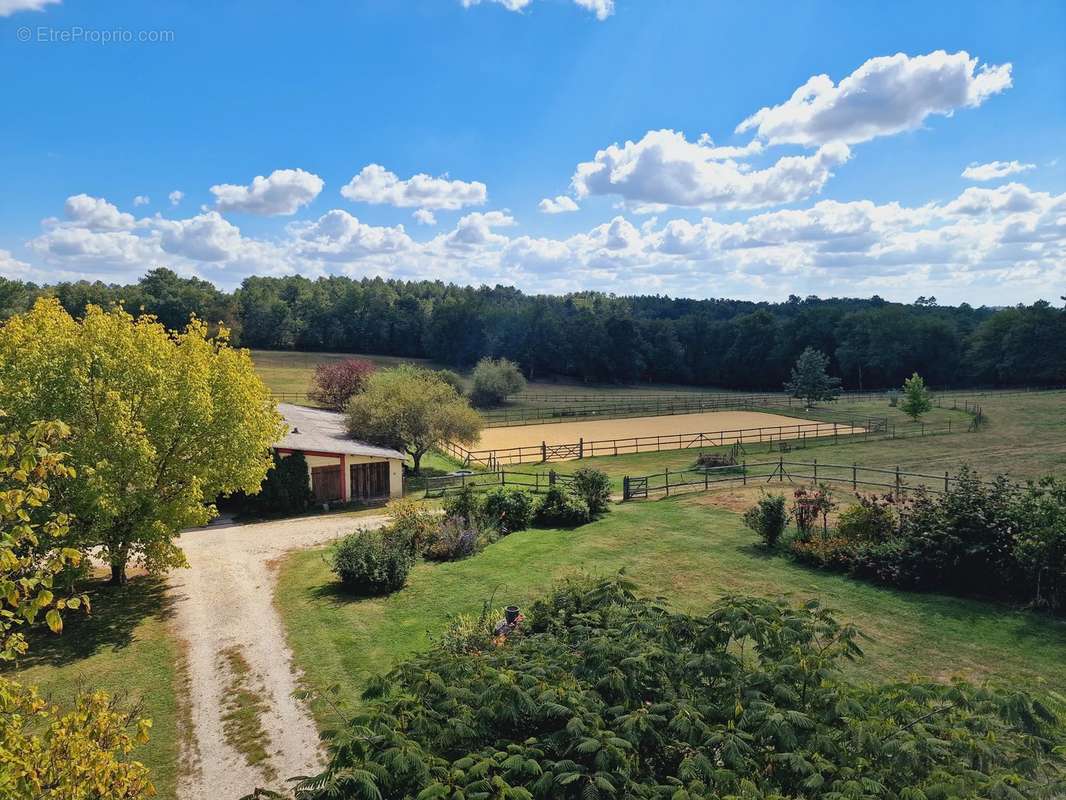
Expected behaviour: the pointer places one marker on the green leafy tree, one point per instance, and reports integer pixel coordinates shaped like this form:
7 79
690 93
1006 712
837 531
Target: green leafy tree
600 694
494 380
916 399
413 410
1040 545
81 754
811 380
161 423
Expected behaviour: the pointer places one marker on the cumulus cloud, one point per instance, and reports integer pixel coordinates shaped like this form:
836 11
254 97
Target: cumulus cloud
375 184
983 240
666 169
9 7
141 200
994 170
95 213
283 192
176 197
423 216
886 95
558 205
601 8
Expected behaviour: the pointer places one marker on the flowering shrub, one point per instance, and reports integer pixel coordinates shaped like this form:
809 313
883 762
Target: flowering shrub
455 539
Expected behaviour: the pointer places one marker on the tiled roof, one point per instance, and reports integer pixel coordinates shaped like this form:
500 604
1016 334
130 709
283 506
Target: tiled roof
316 429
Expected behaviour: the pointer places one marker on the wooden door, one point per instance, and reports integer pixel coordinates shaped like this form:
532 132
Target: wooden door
326 483
369 481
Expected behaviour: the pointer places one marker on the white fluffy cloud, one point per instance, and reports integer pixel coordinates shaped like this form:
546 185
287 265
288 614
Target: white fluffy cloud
971 247
601 8
141 200
176 197
886 95
283 192
423 216
375 184
558 205
9 7
666 169
994 170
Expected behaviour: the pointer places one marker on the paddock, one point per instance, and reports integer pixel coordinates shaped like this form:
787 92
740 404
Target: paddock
525 444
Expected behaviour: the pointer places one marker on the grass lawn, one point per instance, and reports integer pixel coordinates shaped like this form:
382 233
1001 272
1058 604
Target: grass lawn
289 373
122 648
683 550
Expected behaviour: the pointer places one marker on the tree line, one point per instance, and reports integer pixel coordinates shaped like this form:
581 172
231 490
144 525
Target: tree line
871 343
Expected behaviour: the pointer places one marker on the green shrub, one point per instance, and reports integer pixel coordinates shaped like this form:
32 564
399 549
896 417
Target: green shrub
412 521
560 508
455 539
372 562
768 518
494 380
872 519
594 487
605 695
809 506
467 633
507 510
464 504
286 488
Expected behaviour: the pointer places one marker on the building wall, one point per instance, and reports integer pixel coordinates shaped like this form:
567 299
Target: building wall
395 470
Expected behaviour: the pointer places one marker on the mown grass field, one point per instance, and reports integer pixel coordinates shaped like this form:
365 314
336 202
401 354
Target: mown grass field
684 550
123 648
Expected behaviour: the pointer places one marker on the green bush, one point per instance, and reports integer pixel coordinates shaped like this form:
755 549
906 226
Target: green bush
464 504
494 380
559 508
604 695
286 488
507 510
594 487
455 539
768 518
872 519
372 562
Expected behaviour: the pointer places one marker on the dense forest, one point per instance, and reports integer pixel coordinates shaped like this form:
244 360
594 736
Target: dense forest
872 343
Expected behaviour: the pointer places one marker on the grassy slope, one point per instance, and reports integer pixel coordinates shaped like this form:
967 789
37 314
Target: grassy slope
122 648
678 548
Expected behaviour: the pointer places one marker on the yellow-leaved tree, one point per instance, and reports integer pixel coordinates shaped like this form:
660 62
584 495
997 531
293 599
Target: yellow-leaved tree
161 423
78 754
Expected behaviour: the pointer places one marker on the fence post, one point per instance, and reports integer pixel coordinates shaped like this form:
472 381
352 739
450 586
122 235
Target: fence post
581 448
625 488
946 481
815 478
543 450
854 477
898 484
667 473
923 429
551 477
744 471
781 469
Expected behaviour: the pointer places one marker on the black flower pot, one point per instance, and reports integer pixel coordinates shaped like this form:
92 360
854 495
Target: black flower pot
511 614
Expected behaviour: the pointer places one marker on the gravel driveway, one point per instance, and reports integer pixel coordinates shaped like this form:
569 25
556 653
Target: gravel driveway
225 600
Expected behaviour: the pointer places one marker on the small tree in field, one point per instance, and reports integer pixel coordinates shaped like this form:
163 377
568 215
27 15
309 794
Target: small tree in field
161 423
810 380
916 400
336 381
495 379
413 410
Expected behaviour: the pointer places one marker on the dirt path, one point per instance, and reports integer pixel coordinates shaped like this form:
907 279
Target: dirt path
224 601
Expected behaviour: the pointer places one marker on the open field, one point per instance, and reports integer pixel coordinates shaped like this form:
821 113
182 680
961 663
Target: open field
288 373
125 649
683 549
596 430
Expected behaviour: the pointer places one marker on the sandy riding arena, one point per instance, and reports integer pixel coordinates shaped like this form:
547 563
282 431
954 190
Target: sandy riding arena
603 437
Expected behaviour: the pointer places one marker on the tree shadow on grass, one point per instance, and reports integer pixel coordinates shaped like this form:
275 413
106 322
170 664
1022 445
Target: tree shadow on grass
116 613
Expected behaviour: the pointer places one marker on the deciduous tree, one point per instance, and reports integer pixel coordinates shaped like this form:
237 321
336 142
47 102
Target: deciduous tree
811 380
916 400
413 410
161 423
335 382
494 380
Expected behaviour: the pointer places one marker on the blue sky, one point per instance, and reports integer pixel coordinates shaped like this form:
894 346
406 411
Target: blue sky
511 108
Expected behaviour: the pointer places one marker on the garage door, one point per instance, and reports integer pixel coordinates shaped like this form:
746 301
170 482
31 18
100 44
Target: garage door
370 481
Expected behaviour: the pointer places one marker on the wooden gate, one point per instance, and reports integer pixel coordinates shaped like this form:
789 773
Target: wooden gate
369 481
562 452
326 483
634 487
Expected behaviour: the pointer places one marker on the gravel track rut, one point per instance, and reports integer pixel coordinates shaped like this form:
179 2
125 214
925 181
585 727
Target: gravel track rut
226 599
